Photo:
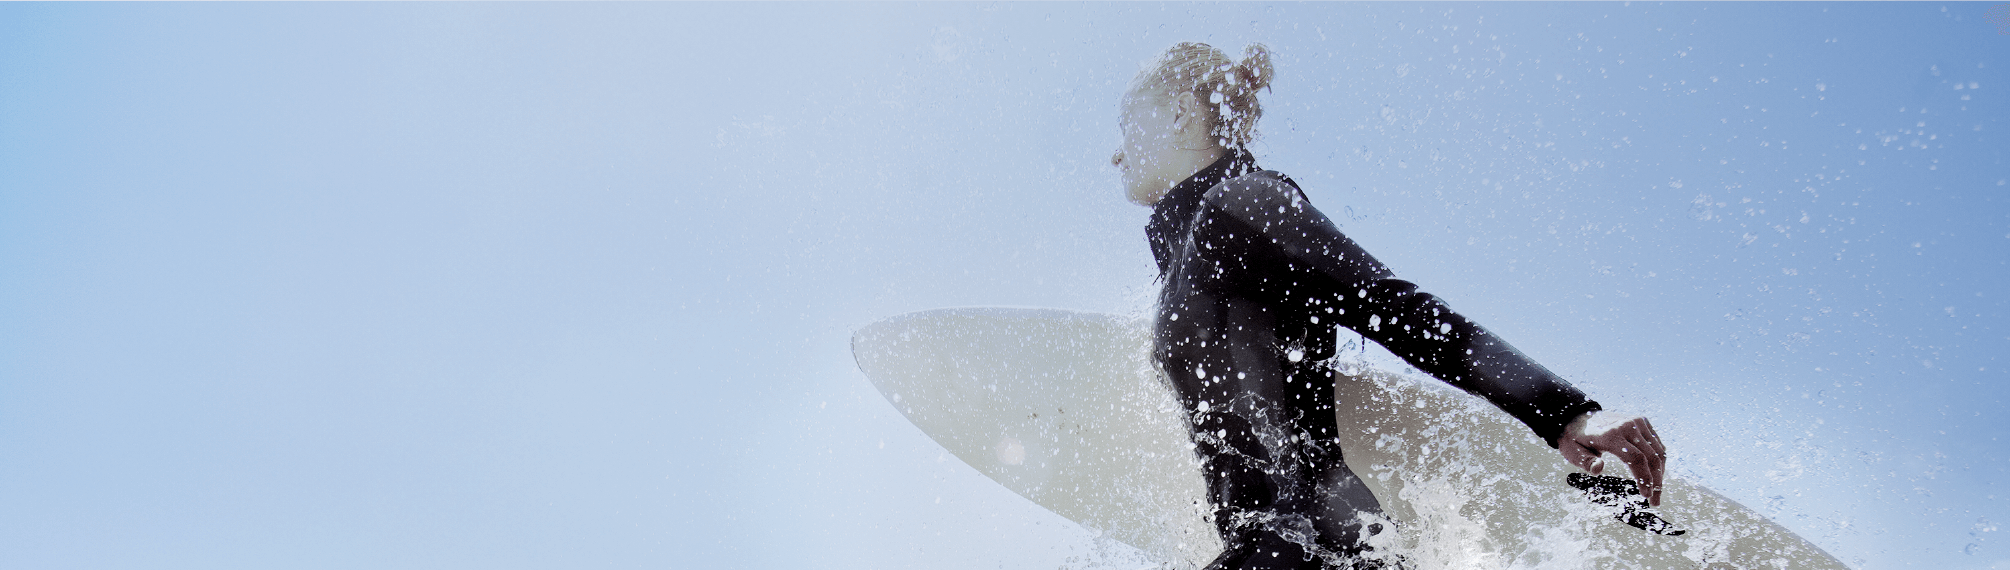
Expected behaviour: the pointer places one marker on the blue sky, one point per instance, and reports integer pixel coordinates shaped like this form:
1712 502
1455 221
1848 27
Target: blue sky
529 286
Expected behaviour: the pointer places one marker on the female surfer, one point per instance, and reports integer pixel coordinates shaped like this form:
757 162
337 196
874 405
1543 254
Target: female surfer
1254 282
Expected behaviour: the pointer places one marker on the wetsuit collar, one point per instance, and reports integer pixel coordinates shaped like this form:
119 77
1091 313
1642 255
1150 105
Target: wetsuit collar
1175 211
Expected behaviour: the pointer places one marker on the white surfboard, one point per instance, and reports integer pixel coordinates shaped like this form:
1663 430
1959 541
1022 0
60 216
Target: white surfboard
1066 409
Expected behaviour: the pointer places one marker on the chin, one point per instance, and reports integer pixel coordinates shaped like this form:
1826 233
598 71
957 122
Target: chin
1140 192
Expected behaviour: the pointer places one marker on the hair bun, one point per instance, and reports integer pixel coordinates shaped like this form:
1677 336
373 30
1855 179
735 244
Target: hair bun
1255 70
1226 88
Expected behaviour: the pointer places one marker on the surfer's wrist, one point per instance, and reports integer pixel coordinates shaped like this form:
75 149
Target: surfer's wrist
1577 425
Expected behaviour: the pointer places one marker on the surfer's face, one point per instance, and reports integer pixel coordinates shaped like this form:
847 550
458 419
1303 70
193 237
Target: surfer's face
1150 130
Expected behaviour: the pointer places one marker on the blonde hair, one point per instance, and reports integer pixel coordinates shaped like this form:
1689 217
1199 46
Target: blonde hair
1226 88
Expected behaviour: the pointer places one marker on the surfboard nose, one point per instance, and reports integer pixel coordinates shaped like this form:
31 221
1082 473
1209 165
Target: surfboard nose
1062 407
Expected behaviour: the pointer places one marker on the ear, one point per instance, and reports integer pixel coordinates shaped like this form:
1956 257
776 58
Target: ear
1184 108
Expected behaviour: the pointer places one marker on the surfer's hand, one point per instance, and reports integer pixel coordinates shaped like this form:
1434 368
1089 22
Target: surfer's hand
1632 441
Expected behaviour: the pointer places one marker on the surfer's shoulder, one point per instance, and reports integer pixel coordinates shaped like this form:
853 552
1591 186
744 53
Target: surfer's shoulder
1263 195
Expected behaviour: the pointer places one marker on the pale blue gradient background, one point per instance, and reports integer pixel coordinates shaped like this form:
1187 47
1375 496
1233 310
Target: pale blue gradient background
570 286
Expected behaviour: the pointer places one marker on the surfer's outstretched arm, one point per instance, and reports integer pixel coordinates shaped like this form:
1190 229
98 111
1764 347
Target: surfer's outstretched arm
1365 296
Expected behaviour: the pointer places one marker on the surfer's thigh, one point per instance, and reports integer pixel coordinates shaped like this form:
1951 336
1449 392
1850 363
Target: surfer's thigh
1265 550
1346 511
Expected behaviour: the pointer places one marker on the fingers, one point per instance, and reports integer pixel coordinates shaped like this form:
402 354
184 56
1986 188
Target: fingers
1636 460
1648 428
1650 460
1660 459
1646 466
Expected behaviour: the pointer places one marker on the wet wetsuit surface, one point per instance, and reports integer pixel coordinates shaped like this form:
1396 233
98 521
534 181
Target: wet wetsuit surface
1254 283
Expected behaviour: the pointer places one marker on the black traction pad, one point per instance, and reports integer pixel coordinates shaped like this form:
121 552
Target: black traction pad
1624 494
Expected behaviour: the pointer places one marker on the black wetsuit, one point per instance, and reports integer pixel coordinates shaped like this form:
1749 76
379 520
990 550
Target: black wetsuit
1254 283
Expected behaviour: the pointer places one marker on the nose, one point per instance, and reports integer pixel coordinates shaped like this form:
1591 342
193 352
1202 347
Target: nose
1117 160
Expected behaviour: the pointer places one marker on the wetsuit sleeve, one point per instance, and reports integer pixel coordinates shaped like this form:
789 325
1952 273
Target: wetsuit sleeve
1361 294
